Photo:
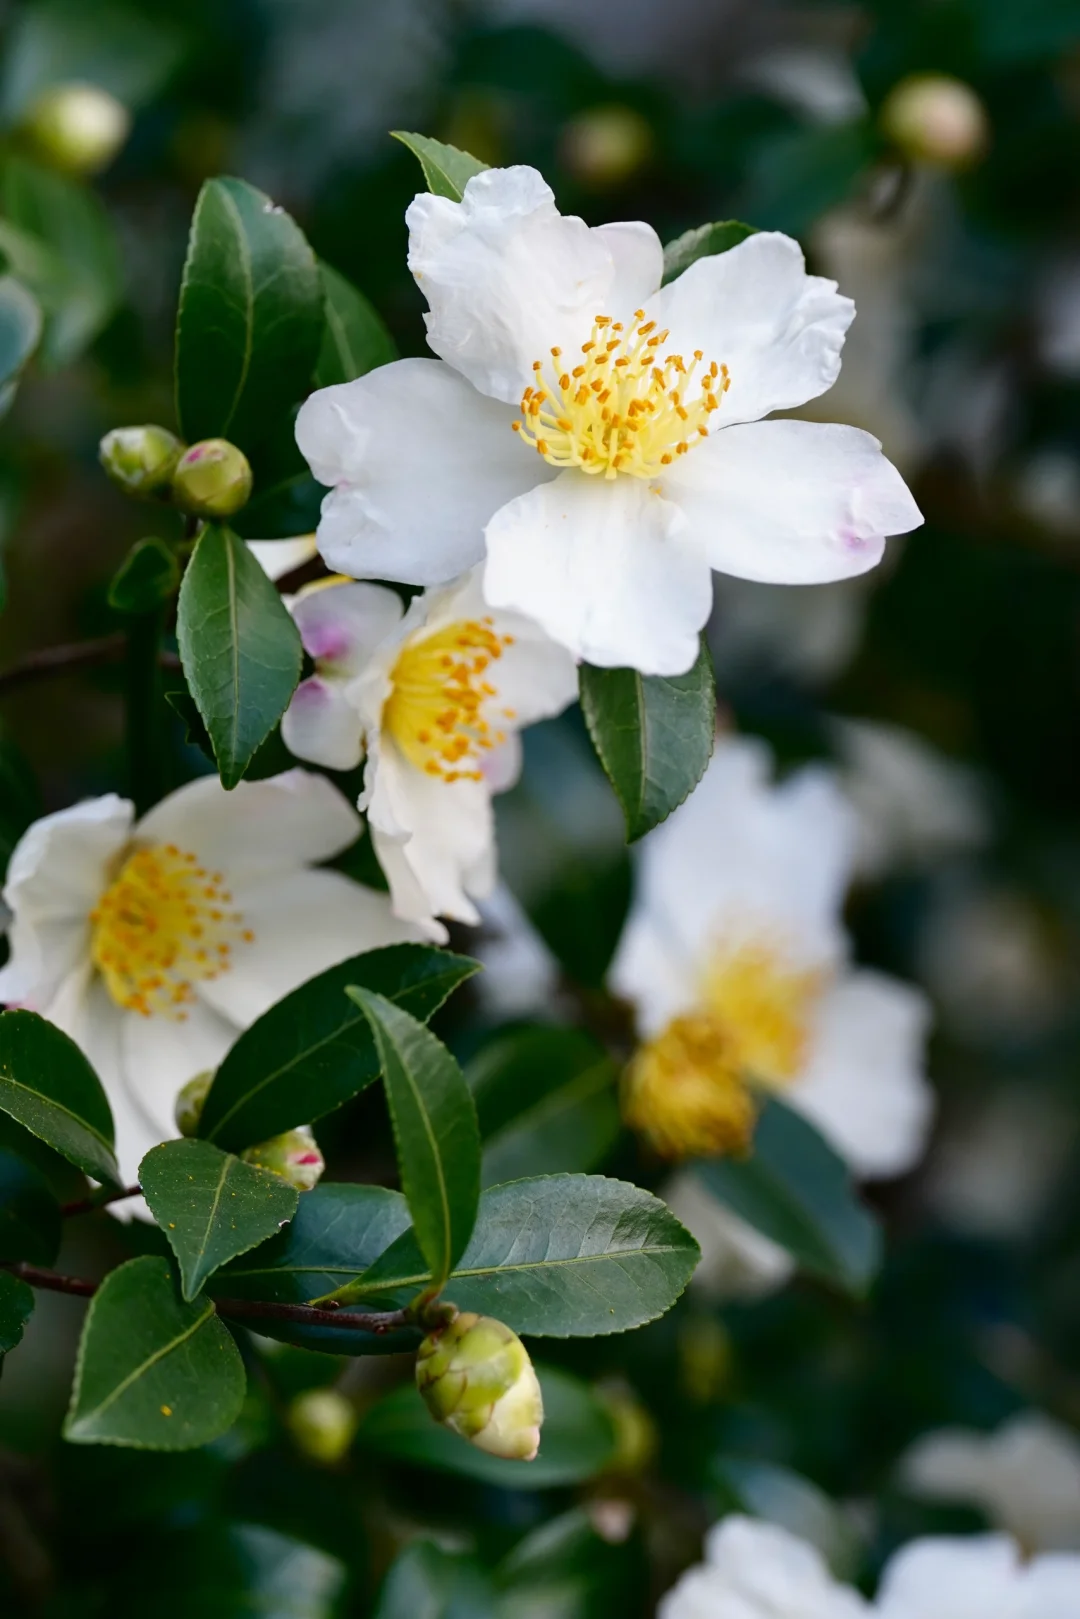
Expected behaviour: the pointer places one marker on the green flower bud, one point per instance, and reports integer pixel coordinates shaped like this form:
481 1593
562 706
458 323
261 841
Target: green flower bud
294 1156
935 119
606 146
636 1438
187 1109
477 1379
78 128
212 479
323 1423
141 460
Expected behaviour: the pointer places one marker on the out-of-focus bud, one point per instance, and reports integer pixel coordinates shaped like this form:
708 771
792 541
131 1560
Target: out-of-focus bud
935 119
705 1358
190 1099
636 1438
606 146
294 1156
477 1379
212 479
323 1424
141 460
78 128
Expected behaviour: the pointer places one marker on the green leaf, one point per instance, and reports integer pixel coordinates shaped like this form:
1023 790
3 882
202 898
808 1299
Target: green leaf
427 1582
563 1567
20 331
703 242
799 174
559 1256
355 340
29 1213
653 735
146 578
16 1308
47 1085
110 44
314 1050
250 319
446 170
796 1190
220 1570
239 647
211 1206
435 1130
286 500
153 1372
577 1439
545 1100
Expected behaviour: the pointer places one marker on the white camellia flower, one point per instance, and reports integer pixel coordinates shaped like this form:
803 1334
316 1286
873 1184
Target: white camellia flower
276 558
735 959
434 697
154 942
756 1570
571 428
977 1577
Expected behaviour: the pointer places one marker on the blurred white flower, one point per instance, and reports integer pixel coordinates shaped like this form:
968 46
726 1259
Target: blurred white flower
1025 1477
278 557
756 1570
606 509
736 1262
434 698
997 1166
154 942
520 976
981 1576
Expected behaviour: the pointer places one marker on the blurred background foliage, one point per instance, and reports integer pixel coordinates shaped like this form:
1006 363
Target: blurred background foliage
961 246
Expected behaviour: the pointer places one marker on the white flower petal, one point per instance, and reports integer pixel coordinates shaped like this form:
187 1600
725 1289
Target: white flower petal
737 1262
420 461
502 766
276 558
797 503
507 277
863 1084
303 923
158 1056
341 624
606 568
638 257
322 726
260 828
754 309
758 1570
953 1577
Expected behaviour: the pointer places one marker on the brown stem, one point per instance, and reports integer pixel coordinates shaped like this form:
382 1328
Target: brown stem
50 1279
98 1200
58 660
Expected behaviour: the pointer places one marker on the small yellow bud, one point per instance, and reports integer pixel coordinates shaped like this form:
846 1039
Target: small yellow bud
323 1424
212 479
294 1156
636 1437
606 146
935 119
140 460
78 128
190 1099
477 1379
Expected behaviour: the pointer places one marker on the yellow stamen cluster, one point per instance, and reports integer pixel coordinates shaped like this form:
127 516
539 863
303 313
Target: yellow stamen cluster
163 925
626 407
439 704
690 1090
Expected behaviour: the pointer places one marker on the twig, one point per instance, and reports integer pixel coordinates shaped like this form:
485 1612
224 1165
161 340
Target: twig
98 1200
49 1279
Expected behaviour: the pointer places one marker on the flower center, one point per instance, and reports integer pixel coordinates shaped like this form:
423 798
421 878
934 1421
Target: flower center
161 926
623 409
436 708
689 1090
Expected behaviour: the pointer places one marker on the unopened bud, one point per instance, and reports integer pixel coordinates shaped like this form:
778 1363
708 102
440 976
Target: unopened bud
477 1379
636 1438
323 1423
935 119
212 479
141 460
78 128
607 145
190 1100
294 1156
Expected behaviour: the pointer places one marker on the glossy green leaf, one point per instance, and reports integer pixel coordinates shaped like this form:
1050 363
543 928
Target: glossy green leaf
564 1567
29 1213
653 735
211 1206
576 1441
435 1130
239 647
47 1085
796 1190
250 319
223 1570
545 1099
20 330
153 1372
446 170
16 1308
314 1050
703 242
427 1582
146 578
355 340
559 1256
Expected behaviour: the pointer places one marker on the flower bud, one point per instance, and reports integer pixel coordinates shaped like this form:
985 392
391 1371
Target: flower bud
78 128
140 460
935 119
323 1424
294 1156
477 1379
606 146
190 1099
212 479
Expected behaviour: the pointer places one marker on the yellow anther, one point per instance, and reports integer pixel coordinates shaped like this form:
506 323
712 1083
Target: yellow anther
436 708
